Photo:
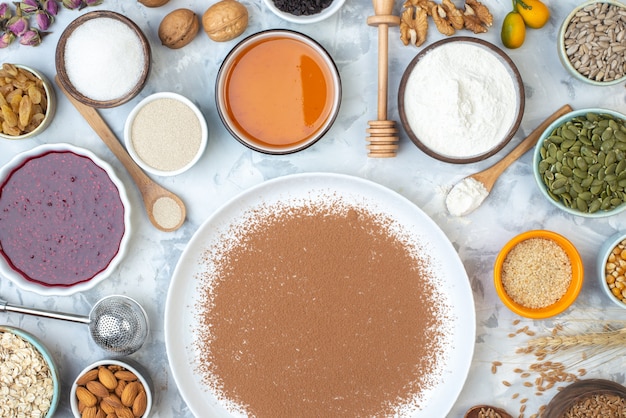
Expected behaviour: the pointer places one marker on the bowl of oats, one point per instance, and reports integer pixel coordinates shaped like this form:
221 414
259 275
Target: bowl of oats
34 390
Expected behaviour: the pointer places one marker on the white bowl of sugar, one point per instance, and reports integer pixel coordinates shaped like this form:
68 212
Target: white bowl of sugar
166 134
103 59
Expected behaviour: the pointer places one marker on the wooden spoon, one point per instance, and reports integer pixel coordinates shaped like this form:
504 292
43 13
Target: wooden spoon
475 410
165 210
487 178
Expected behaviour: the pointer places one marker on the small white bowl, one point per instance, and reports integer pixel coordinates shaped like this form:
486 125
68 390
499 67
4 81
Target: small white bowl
304 19
602 258
50 110
44 285
47 357
167 154
126 364
562 49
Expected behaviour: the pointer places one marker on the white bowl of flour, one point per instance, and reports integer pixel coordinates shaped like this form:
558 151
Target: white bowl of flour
461 100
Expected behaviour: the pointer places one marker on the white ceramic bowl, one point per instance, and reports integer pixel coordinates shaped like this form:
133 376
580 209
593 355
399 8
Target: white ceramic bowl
169 153
562 49
126 364
268 113
601 260
44 285
537 158
45 354
50 107
304 19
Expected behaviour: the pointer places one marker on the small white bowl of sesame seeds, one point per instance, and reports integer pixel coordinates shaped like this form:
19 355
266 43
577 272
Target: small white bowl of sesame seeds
166 134
611 268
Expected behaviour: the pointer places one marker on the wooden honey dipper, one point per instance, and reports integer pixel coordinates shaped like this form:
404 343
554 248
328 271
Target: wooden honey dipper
383 139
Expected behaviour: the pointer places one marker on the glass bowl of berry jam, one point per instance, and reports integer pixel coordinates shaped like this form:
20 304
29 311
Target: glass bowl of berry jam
64 219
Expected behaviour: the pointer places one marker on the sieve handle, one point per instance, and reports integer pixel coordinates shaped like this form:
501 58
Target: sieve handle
6 307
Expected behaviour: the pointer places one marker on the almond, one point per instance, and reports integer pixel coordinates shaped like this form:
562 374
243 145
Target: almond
97 389
107 378
126 375
124 412
89 412
140 404
107 408
85 397
130 393
87 377
100 413
121 384
112 400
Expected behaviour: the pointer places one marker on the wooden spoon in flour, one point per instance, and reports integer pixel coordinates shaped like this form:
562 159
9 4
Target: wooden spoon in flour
165 210
469 193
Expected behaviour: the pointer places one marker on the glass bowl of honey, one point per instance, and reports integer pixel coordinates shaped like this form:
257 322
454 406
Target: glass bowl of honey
278 92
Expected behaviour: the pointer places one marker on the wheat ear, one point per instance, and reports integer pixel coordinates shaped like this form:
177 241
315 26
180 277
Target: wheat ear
555 342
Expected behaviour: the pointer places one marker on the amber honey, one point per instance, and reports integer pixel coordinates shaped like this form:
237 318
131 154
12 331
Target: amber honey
279 92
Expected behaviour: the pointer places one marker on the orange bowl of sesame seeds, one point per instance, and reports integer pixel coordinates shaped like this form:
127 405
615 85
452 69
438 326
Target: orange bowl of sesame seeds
611 268
538 274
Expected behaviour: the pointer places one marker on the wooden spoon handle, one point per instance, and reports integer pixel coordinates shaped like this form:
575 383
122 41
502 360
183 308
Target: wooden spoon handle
489 176
150 191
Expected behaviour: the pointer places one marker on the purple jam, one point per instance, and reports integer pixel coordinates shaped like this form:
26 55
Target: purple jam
61 219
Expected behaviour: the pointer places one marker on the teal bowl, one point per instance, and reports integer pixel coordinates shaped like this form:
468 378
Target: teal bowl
582 180
47 357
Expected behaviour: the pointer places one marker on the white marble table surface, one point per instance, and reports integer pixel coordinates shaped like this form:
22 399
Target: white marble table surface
227 168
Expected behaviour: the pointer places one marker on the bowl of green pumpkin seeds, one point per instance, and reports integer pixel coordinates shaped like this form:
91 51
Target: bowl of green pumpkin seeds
579 162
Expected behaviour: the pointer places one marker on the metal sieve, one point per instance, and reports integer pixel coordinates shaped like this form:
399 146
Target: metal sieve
117 323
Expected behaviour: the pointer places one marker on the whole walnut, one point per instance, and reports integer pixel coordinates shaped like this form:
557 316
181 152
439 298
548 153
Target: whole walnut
225 20
153 3
178 28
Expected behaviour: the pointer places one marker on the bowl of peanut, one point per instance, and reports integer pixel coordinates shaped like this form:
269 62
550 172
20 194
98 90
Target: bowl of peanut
27 102
118 387
611 268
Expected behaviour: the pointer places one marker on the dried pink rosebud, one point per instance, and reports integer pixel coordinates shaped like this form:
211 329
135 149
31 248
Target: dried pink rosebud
27 6
32 37
5 12
92 2
6 39
18 25
51 6
43 19
73 4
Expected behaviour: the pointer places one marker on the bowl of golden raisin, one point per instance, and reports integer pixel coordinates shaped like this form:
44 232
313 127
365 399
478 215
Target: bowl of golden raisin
27 102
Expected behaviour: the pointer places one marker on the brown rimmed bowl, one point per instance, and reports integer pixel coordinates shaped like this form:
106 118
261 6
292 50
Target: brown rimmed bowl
410 126
580 390
60 61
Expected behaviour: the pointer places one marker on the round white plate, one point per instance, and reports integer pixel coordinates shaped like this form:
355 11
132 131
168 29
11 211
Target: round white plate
448 271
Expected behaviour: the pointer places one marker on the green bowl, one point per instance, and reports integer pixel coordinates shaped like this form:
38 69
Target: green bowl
572 208
54 372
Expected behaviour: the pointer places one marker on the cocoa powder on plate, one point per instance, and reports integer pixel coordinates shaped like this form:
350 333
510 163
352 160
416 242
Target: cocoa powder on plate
318 309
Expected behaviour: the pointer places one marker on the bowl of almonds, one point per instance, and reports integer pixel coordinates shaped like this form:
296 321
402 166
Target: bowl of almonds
108 387
591 42
27 102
